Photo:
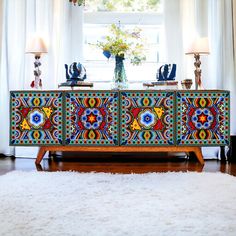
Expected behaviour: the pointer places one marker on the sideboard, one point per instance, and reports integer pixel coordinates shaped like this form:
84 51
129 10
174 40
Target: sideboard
120 121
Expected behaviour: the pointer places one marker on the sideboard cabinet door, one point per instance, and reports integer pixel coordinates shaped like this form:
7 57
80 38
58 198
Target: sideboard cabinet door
147 118
36 118
92 118
203 118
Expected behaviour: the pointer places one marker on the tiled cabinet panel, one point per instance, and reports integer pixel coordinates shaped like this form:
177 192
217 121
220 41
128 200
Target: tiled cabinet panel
125 118
36 118
202 118
92 118
147 118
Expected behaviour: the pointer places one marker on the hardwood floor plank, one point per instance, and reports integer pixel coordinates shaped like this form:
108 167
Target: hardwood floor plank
116 164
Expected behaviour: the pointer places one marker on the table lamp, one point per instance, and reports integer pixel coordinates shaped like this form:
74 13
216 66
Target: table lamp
198 47
36 46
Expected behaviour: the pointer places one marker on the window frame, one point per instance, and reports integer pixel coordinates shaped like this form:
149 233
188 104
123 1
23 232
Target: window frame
133 18
124 18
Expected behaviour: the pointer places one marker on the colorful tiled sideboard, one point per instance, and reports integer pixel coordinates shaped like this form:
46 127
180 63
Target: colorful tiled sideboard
120 121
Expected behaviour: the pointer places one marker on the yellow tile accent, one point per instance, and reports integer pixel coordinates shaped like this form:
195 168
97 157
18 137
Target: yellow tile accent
159 111
135 125
25 125
47 111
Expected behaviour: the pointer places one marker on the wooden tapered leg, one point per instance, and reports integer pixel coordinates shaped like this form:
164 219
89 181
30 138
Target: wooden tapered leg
39 167
198 153
51 153
41 153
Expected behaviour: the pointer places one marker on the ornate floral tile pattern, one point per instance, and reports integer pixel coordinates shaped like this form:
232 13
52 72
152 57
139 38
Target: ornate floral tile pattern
36 118
92 118
202 118
147 118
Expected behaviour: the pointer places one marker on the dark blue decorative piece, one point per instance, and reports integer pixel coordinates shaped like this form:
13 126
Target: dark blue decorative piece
74 73
107 54
120 75
120 80
166 72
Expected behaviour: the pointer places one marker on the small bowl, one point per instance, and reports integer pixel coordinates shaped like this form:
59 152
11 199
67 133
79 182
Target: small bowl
186 84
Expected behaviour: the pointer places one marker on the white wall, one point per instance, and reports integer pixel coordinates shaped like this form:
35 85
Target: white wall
1 19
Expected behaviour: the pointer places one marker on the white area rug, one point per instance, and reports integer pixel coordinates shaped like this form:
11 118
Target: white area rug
69 203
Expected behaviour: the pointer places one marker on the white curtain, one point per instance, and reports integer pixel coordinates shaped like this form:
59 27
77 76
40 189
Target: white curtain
184 19
222 57
60 23
174 35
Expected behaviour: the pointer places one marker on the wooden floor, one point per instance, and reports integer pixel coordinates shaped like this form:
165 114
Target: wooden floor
108 163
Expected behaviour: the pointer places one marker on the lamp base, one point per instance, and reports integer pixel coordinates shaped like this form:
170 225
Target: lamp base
197 72
36 83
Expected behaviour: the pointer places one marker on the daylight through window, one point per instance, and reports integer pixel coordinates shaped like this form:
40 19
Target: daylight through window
146 14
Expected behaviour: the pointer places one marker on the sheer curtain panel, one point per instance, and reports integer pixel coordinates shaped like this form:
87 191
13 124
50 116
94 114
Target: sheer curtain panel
60 23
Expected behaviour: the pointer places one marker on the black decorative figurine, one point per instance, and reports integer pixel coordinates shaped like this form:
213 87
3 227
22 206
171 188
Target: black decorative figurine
166 72
74 73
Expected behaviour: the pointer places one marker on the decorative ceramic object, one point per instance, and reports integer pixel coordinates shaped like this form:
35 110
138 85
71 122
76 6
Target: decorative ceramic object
75 76
166 72
37 82
120 79
74 73
186 84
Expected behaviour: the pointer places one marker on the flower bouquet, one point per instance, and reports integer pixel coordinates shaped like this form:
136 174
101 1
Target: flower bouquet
122 44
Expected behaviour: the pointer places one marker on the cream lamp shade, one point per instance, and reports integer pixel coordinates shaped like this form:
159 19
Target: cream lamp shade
199 46
36 46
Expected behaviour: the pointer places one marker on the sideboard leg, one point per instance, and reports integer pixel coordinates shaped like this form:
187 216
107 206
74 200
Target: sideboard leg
188 154
51 153
222 154
198 153
41 153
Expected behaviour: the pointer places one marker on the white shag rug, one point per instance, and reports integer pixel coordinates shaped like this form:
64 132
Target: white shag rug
70 203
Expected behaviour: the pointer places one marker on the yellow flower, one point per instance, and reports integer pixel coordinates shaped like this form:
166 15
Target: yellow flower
124 43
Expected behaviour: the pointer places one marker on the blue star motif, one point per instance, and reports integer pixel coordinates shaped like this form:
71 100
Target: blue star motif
36 118
147 119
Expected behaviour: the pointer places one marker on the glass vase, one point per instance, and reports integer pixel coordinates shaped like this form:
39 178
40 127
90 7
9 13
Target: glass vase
119 79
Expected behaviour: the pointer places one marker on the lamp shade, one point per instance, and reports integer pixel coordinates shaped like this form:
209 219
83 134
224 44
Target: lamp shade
36 46
199 46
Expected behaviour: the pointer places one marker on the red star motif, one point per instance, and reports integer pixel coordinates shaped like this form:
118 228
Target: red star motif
202 118
91 118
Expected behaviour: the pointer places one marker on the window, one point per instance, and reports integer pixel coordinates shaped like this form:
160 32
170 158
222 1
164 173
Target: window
146 14
124 6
